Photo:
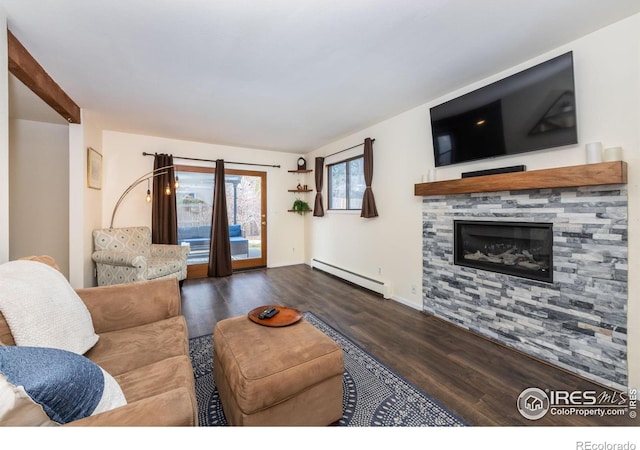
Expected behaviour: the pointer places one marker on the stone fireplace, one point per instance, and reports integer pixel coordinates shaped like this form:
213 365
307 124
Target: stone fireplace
522 249
573 316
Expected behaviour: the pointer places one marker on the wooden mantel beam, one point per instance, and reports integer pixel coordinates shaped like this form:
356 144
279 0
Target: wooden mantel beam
614 172
31 73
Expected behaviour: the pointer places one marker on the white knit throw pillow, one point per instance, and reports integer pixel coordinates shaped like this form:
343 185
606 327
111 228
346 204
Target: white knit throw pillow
42 309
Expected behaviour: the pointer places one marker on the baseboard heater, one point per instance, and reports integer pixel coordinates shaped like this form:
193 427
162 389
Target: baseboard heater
368 283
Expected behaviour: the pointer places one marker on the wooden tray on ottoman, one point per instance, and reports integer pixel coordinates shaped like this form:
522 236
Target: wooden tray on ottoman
287 316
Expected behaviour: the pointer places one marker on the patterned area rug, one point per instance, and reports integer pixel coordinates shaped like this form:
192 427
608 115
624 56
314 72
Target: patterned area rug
373 395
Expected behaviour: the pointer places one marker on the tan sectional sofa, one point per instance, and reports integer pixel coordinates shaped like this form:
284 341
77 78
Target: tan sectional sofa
143 343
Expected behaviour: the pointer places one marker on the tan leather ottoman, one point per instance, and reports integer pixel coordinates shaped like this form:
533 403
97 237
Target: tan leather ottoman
268 376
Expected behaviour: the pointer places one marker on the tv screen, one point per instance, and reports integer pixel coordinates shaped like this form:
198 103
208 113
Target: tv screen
532 110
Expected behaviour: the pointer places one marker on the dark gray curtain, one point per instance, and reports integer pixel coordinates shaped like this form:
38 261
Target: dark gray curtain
368 201
318 209
164 217
220 249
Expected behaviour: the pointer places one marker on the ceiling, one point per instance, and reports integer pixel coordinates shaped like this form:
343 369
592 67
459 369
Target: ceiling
286 75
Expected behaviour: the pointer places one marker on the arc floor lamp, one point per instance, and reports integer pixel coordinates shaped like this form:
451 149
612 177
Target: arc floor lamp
146 177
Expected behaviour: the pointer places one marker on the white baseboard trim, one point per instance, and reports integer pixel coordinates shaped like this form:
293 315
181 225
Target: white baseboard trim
380 286
406 302
285 264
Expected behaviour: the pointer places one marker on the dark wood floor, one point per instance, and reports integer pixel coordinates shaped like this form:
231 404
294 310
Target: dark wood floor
476 378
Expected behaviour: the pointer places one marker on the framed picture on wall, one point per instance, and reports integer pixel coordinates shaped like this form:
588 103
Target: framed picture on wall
94 169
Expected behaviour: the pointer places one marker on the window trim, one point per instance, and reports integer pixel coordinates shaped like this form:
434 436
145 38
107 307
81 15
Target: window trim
347 180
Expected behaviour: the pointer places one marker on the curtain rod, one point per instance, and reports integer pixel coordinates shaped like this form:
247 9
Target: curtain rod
358 145
213 161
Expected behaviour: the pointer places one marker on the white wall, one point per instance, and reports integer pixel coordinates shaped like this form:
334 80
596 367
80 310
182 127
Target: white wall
4 140
39 190
85 204
390 243
77 238
607 75
124 163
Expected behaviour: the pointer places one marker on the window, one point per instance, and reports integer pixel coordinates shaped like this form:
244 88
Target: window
346 184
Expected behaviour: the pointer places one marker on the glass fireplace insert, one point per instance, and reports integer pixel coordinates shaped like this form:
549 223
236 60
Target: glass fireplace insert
523 249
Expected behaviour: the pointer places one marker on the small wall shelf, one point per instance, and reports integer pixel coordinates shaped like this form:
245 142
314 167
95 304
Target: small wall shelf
300 190
585 175
305 211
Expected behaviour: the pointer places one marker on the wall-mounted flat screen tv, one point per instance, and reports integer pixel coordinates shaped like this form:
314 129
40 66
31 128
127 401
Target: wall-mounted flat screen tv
531 110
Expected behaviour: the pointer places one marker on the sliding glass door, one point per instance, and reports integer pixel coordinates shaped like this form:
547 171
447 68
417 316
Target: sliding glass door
246 210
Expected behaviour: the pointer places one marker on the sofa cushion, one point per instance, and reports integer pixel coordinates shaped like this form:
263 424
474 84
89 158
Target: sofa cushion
169 409
194 232
159 377
187 232
42 309
235 231
125 350
46 386
204 231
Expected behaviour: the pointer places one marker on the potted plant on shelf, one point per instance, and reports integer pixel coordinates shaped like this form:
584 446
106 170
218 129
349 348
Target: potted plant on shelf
300 206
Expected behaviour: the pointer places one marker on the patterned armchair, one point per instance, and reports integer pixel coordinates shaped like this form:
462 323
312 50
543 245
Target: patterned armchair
123 255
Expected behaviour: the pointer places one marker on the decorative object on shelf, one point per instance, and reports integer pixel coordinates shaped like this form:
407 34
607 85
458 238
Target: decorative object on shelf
429 176
145 177
594 152
613 154
94 169
300 206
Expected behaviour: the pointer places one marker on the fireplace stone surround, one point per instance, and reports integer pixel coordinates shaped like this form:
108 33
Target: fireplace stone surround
578 322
